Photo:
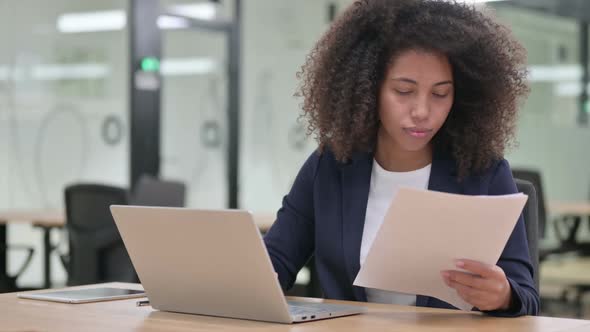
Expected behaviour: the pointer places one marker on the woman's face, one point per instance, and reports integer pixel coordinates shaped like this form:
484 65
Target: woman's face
415 99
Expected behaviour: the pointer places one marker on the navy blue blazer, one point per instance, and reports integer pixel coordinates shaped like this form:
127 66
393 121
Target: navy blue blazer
324 214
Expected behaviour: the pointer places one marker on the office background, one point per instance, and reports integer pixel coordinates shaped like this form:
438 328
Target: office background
65 115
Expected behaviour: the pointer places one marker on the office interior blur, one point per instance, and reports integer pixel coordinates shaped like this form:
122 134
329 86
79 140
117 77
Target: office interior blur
191 103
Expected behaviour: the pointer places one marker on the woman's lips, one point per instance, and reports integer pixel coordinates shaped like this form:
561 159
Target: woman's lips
418 132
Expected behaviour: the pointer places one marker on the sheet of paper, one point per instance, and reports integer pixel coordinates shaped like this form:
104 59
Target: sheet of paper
424 232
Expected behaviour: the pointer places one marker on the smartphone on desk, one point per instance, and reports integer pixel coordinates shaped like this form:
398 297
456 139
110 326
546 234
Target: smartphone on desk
85 295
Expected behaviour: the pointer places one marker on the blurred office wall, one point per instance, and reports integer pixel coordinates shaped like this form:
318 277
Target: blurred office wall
63 111
64 105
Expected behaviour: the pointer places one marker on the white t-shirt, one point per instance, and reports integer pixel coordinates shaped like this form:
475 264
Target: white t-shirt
384 185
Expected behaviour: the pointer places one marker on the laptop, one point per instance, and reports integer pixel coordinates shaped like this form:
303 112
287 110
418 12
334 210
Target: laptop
210 262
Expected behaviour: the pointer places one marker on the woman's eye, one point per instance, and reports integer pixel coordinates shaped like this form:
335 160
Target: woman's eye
440 95
403 92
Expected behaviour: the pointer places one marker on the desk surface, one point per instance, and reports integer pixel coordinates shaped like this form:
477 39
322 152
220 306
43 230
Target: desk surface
570 208
566 271
56 218
37 217
30 315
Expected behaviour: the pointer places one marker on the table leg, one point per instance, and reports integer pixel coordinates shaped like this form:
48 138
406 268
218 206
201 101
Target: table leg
47 257
4 254
579 304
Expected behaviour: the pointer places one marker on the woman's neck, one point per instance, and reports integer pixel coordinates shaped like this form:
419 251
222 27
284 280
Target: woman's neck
392 158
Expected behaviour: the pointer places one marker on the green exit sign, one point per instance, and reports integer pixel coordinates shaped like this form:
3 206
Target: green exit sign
150 64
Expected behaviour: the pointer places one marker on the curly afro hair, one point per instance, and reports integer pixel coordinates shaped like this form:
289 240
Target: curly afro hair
342 76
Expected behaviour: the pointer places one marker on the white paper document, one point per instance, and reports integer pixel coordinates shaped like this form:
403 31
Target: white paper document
425 232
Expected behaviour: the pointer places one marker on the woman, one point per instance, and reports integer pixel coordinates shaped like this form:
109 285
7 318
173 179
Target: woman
419 93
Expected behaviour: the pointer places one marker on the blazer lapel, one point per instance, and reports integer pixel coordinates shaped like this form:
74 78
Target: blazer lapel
443 174
356 179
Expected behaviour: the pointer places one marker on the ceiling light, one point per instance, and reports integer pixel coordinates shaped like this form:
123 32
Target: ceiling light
201 10
92 21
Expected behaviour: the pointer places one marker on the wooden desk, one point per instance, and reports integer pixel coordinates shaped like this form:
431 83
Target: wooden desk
570 209
48 219
264 220
36 217
56 218
567 219
30 315
566 272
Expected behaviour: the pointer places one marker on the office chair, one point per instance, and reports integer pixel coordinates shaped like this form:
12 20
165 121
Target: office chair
97 253
151 191
531 221
565 228
534 177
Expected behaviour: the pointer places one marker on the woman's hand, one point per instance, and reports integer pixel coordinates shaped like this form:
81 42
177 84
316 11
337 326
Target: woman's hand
485 287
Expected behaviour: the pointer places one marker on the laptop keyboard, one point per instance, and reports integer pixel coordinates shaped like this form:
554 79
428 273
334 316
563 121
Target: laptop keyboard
304 308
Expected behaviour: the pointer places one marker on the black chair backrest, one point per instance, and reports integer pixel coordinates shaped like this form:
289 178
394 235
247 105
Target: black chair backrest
151 191
534 177
97 253
531 224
